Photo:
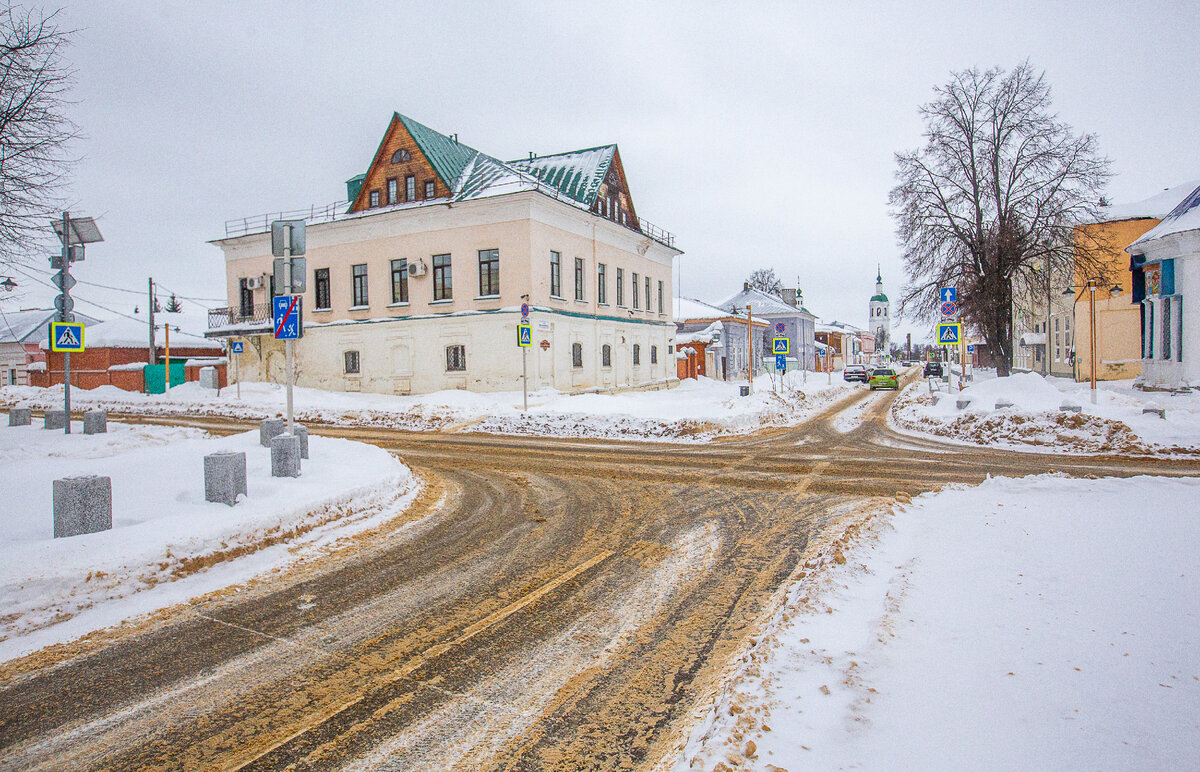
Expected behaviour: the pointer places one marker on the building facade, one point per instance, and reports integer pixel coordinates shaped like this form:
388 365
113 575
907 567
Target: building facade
713 341
23 336
799 325
1165 273
418 285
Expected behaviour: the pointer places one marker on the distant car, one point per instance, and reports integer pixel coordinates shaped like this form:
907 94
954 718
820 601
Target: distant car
855 373
933 369
883 378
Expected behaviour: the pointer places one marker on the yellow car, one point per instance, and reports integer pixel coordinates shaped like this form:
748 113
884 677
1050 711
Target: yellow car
883 378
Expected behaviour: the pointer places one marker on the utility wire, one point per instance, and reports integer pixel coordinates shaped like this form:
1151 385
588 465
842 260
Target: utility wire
39 280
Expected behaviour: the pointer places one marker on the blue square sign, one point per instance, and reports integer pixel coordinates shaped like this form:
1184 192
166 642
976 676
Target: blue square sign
286 317
236 346
780 362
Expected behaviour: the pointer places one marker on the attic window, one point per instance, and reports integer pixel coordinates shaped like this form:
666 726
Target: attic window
401 155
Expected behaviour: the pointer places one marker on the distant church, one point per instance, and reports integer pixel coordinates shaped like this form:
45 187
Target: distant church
880 322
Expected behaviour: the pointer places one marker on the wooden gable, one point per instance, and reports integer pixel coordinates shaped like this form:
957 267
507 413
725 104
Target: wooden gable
614 193
398 157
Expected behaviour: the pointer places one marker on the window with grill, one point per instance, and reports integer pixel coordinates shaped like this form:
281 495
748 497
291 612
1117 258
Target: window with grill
410 188
601 284
321 288
660 296
245 298
555 274
647 293
1167 330
576 355
400 280
489 272
621 287
456 358
358 275
350 362
654 355
606 355
374 198
636 300
637 354
443 280
393 190
429 192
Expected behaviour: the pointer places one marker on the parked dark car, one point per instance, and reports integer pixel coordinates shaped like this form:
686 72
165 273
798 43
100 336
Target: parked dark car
855 373
933 369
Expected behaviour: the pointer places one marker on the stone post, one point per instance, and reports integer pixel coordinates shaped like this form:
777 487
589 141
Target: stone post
208 378
285 456
55 419
95 422
302 433
268 429
82 505
224 477
19 416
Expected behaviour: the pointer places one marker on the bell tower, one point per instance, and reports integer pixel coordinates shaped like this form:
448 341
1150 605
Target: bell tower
879 321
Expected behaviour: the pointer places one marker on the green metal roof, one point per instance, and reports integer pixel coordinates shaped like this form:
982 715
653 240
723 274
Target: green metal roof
448 157
577 174
879 299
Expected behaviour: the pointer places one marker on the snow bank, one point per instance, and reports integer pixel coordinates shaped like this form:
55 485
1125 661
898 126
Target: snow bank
1115 424
1039 623
167 543
696 410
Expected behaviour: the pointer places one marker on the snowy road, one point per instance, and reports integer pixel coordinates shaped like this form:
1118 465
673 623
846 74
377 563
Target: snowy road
570 604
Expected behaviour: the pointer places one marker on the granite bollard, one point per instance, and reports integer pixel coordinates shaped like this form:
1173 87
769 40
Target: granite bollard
1158 411
19 416
302 433
208 378
82 505
270 428
95 422
1002 403
55 419
1070 407
224 477
962 403
285 456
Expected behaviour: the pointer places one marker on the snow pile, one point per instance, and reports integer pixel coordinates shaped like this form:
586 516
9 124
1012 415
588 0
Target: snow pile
1035 419
167 543
697 410
1023 624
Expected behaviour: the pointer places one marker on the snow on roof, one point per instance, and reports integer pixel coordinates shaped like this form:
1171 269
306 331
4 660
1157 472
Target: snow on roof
1184 217
1157 206
124 332
707 335
762 304
688 309
29 325
576 174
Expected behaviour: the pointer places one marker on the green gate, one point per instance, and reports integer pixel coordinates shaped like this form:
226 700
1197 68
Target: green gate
155 376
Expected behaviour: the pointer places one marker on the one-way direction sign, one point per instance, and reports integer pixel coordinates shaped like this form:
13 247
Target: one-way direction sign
949 334
66 337
949 294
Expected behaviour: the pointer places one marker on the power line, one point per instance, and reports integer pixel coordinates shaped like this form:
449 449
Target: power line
39 280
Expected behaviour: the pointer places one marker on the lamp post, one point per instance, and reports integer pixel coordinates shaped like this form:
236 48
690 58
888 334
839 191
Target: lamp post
8 284
74 234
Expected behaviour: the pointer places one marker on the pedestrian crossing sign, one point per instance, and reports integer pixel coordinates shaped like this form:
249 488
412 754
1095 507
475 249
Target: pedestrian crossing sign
524 335
949 334
66 337
781 346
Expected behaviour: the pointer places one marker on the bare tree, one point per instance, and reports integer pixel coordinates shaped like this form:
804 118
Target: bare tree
765 280
34 129
993 196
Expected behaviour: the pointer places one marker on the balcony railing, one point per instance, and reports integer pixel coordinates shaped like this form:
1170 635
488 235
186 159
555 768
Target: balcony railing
261 223
232 316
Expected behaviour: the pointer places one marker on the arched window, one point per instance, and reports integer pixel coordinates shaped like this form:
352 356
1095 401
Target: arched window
576 355
401 155
637 354
606 355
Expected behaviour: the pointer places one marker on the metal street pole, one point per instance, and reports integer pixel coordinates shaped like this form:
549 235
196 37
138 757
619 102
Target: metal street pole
66 316
167 379
750 340
287 346
525 378
1092 320
153 357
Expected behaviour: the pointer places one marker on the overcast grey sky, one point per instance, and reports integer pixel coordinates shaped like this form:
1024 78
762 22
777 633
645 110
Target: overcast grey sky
761 134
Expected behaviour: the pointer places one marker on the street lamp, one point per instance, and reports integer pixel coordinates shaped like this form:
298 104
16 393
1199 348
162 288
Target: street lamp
1090 288
8 284
75 234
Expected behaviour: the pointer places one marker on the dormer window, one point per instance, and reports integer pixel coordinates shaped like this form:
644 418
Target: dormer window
400 156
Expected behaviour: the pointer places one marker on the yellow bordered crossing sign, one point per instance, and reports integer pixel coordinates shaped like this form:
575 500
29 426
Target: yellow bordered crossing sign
949 334
524 335
781 346
66 337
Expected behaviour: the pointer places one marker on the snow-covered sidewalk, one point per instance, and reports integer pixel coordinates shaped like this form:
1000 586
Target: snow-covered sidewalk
1034 418
167 543
1039 623
695 411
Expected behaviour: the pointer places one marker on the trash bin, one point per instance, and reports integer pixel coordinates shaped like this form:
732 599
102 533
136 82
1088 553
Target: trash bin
745 391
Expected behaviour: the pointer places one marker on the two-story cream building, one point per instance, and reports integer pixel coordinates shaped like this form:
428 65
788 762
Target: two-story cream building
417 284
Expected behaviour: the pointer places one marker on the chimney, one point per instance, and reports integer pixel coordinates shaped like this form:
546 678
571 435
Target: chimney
745 286
789 297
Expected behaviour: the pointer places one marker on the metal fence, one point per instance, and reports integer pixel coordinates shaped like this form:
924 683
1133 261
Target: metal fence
259 313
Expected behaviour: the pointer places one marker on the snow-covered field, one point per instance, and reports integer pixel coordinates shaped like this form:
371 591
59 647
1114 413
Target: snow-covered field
1035 421
167 543
1038 623
695 411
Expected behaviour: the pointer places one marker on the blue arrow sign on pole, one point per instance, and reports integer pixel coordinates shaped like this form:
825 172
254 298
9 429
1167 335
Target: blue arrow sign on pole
949 294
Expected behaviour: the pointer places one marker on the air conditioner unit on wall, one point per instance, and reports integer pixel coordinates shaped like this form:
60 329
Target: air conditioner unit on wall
416 269
255 282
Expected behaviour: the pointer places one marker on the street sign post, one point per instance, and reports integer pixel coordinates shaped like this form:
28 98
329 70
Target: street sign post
237 347
781 346
524 334
66 337
525 340
525 312
949 309
74 234
948 294
285 315
287 242
779 328
780 361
